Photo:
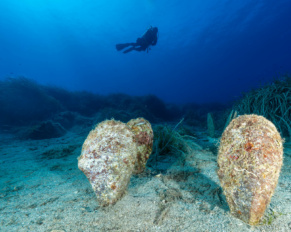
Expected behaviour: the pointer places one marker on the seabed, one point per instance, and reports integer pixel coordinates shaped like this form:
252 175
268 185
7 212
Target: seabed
42 189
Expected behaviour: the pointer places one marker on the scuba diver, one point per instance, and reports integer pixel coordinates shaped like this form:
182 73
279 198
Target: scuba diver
150 37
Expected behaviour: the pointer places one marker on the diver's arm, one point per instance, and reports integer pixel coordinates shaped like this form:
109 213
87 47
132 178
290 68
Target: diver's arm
155 41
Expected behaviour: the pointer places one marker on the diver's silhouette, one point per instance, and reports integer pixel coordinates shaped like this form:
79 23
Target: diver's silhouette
143 43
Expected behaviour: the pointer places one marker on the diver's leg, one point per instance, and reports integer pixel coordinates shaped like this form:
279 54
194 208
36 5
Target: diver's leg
122 46
129 50
139 49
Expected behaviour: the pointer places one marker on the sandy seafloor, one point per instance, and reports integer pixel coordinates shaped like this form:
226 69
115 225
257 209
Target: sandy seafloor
42 189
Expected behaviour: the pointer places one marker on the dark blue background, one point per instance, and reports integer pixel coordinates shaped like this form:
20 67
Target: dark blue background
208 50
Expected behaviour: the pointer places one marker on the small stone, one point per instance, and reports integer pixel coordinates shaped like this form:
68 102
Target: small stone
88 209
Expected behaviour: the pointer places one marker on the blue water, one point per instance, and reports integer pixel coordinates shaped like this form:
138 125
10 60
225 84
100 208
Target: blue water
207 50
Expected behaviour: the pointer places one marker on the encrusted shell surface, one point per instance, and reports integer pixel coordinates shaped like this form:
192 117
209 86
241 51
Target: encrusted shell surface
250 159
144 138
108 158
